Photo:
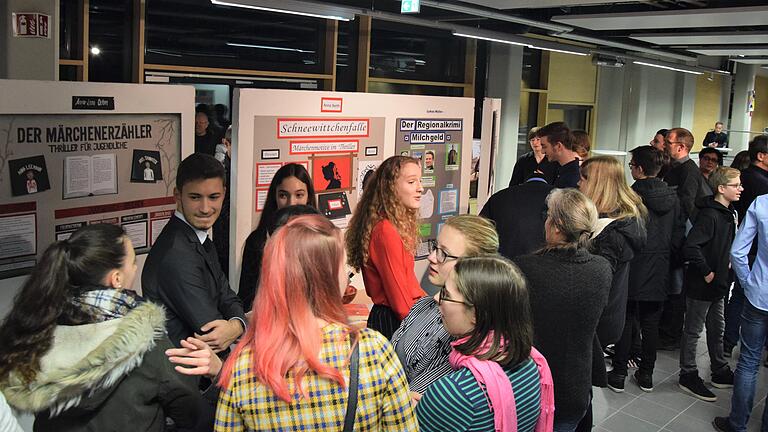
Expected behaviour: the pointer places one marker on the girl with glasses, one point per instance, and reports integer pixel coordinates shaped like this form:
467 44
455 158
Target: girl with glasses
382 238
500 383
421 342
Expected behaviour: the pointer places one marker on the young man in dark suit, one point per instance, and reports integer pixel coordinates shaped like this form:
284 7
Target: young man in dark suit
182 271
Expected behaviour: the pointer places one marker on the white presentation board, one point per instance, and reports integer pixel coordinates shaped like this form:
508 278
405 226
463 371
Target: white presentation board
351 133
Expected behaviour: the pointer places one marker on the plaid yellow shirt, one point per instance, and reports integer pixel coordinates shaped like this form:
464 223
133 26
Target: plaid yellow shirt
383 402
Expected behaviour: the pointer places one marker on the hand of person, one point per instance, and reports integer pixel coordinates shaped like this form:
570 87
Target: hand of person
415 398
220 333
712 144
196 354
710 277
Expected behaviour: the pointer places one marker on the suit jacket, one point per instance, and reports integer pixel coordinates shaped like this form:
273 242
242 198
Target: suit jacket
185 278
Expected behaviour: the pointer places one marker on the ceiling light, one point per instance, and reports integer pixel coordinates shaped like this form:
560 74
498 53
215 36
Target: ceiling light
292 7
491 37
668 68
560 51
95 51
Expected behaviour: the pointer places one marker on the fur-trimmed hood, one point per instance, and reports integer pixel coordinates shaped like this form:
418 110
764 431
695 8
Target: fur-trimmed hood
86 361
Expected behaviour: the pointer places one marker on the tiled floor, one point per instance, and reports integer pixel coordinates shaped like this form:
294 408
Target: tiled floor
667 408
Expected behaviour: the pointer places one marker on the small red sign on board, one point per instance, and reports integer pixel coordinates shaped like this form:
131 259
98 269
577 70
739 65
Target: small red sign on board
30 24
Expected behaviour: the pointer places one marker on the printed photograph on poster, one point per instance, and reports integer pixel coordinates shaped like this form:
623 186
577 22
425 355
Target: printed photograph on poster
90 175
365 170
452 157
28 175
333 205
429 162
449 201
265 172
146 166
418 154
427 204
332 172
18 235
405 153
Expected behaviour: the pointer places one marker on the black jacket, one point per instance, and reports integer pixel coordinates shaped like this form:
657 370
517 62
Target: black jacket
618 242
649 269
755 183
185 278
527 165
690 185
707 250
519 213
713 137
568 291
568 175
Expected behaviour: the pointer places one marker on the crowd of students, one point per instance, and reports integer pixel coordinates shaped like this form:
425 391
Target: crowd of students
567 263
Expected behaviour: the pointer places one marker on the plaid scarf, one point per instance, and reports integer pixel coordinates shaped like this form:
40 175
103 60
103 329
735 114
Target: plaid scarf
98 304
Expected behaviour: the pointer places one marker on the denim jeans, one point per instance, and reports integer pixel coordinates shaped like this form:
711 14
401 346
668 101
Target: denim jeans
754 329
733 316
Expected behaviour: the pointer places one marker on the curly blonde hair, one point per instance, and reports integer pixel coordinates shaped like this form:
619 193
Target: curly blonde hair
380 201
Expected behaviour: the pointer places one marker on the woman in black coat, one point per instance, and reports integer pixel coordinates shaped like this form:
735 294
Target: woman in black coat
533 161
568 289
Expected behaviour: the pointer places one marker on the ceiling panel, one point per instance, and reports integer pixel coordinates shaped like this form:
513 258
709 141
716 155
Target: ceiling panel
698 18
715 38
528 4
731 52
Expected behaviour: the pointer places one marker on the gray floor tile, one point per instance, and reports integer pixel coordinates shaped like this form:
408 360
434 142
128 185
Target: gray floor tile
668 394
649 411
705 411
600 412
621 422
683 423
610 399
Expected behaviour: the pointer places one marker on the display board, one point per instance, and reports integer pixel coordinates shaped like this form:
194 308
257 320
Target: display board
85 156
341 138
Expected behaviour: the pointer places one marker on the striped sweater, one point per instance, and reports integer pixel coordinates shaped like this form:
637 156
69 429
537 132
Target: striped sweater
458 403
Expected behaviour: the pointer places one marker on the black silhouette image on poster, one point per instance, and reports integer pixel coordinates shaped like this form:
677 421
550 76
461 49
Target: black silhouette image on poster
146 166
28 175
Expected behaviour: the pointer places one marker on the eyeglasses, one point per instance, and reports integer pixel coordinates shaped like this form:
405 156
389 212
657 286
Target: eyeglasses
709 159
735 185
441 255
443 297
632 164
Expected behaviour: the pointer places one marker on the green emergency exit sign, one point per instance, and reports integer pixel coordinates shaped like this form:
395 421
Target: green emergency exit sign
410 6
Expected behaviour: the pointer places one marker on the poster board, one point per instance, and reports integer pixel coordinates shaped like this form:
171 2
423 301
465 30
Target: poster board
73 154
356 131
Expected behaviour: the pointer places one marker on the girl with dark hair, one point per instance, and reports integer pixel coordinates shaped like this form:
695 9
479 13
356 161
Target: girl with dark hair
291 185
501 382
568 289
292 368
381 241
84 352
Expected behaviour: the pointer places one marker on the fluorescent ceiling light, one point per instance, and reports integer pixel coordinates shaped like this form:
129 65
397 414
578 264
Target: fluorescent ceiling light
668 67
292 7
267 47
560 51
490 38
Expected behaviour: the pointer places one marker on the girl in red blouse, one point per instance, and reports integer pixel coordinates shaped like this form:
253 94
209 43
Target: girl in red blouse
381 240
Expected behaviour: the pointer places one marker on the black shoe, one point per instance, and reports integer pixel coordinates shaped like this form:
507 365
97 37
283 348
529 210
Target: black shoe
616 381
722 424
644 380
723 378
691 383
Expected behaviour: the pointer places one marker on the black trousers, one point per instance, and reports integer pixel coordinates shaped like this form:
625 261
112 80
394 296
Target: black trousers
648 315
672 319
384 320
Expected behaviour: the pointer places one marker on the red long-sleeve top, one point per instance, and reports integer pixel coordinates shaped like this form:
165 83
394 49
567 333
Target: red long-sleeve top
388 275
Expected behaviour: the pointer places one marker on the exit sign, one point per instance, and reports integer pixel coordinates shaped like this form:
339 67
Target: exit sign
410 6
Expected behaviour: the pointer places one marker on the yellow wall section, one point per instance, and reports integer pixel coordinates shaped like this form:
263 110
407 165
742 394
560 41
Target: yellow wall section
706 108
572 79
760 115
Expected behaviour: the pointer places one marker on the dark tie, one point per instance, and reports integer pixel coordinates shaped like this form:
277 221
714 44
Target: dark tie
208 244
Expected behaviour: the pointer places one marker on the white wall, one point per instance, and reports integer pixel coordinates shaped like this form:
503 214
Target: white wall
29 58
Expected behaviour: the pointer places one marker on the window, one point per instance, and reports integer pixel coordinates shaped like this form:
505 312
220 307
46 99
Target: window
110 40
